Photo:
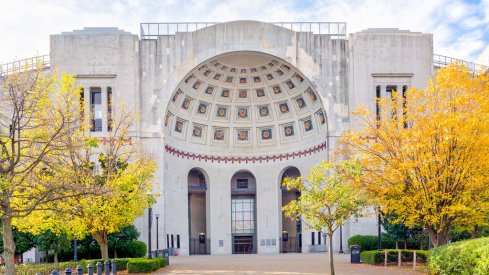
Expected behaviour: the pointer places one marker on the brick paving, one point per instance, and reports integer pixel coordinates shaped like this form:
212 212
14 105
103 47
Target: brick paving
281 264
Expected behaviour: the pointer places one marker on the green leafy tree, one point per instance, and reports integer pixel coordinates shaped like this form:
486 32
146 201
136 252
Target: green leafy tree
122 239
24 241
49 241
399 231
327 199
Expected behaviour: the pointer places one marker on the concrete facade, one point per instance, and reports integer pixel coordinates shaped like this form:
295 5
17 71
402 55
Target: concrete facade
187 125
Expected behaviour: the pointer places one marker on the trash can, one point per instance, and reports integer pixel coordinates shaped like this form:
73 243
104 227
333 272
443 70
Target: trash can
166 255
355 254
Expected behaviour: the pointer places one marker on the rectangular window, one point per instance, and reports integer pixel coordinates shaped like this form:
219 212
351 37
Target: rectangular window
404 106
242 183
377 97
312 238
391 89
319 237
82 103
96 108
109 109
243 216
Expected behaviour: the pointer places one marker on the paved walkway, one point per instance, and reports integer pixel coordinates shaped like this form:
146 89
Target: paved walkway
281 264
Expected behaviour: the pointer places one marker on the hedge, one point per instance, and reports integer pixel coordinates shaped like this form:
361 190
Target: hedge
131 249
145 265
369 242
121 263
375 257
463 257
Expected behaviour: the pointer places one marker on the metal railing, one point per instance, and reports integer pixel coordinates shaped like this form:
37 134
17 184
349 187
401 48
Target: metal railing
197 187
337 30
200 246
235 190
440 61
291 244
25 64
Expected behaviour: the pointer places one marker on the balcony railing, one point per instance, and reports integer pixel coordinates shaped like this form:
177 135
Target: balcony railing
197 187
25 65
440 61
250 190
337 30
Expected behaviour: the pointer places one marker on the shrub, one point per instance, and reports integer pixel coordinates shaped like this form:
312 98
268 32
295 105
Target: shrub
145 265
370 242
131 249
375 257
121 263
372 257
464 257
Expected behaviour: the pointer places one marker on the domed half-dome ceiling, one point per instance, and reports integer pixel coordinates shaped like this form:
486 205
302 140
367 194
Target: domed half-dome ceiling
245 102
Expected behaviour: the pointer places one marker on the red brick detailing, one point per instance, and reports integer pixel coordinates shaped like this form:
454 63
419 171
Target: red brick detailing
255 159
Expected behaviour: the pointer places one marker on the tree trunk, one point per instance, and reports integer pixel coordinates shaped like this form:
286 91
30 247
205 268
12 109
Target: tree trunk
101 238
475 233
438 239
8 246
55 256
104 250
331 264
397 245
405 244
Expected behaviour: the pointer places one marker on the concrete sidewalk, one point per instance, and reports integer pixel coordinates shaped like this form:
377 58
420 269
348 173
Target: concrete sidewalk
281 264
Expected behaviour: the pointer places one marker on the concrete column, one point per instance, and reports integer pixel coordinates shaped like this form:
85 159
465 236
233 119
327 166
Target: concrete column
266 210
220 211
176 218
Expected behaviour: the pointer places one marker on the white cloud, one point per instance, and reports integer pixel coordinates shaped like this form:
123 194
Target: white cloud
459 28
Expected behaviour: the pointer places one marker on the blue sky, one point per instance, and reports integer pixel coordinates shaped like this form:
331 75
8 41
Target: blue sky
460 28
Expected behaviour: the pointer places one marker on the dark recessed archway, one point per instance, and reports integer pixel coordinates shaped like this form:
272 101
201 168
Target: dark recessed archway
291 228
197 212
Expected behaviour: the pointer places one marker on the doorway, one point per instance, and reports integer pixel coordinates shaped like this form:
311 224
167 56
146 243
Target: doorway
243 213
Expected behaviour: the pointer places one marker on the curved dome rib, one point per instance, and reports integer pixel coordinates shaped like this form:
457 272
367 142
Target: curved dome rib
245 101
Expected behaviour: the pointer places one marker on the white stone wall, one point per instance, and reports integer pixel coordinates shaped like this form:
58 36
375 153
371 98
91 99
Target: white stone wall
145 73
387 57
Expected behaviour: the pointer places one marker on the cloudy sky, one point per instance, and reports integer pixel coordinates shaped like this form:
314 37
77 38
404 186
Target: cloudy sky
460 28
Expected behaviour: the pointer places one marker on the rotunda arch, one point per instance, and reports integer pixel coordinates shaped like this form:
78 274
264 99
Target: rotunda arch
245 103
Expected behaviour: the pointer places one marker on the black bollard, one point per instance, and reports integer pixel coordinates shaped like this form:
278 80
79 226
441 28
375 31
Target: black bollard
68 271
99 268
80 270
114 267
90 269
107 267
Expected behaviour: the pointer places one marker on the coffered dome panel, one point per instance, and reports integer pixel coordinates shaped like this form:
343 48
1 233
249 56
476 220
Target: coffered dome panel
245 102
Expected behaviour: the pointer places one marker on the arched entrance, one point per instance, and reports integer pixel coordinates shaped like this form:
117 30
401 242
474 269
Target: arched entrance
240 109
197 216
243 213
291 229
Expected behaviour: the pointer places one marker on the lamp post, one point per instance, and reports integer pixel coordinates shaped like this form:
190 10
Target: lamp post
379 228
157 216
150 217
75 250
341 240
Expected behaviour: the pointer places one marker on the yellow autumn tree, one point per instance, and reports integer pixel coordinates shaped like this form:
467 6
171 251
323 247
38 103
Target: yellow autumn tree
37 112
327 199
425 153
114 166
